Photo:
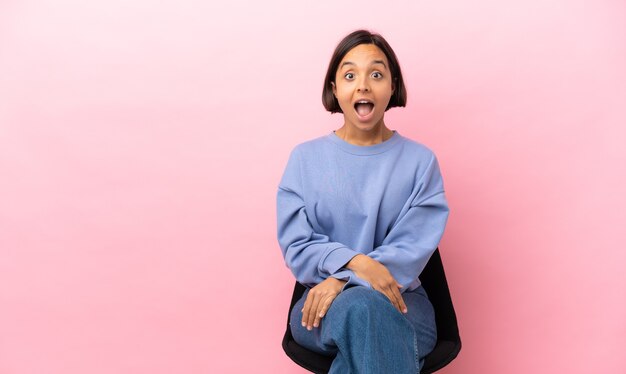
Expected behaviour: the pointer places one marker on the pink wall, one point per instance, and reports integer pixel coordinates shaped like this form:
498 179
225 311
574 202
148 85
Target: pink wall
141 145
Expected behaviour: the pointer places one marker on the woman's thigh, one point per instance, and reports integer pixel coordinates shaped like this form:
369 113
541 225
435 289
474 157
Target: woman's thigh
311 340
422 316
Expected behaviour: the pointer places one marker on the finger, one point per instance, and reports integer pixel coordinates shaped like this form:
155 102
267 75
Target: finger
324 308
387 292
316 321
313 311
394 298
305 310
401 304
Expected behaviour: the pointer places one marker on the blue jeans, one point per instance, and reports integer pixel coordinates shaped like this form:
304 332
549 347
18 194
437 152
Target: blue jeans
368 334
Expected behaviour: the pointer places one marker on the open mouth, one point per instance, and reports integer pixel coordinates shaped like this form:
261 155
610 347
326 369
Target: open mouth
364 108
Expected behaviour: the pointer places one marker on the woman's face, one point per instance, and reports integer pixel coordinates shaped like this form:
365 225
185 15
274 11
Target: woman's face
363 86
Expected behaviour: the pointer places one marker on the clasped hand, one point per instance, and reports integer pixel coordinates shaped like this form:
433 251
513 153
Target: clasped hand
379 278
323 294
318 301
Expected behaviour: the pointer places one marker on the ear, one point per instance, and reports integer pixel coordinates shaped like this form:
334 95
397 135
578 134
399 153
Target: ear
393 86
334 88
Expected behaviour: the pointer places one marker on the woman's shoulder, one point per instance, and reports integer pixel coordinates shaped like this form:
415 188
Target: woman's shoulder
416 148
312 145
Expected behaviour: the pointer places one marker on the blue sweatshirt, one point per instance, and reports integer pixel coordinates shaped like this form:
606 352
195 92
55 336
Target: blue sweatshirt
336 200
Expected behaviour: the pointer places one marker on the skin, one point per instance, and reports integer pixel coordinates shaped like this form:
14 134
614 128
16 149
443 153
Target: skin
363 73
318 301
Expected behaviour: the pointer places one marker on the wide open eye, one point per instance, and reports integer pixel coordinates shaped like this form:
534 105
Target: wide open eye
349 76
377 75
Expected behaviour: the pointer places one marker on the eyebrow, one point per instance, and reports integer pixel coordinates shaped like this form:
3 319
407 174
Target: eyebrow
373 62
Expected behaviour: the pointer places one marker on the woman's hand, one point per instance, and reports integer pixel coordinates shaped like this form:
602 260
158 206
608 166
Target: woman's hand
318 301
379 277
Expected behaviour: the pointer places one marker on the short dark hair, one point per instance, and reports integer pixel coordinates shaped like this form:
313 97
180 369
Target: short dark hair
352 40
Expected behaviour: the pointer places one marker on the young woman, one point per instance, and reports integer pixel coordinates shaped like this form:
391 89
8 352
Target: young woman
360 212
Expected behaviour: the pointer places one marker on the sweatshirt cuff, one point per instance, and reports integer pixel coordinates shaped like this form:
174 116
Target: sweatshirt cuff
336 259
351 279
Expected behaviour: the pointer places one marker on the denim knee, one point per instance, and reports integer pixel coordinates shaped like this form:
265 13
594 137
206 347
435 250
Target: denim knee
359 298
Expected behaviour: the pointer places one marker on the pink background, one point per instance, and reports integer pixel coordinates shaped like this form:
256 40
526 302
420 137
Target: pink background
141 145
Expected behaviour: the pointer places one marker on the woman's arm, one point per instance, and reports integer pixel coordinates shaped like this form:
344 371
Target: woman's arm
311 256
379 277
406 249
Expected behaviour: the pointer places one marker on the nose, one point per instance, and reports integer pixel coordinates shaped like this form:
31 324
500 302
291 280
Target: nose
363 86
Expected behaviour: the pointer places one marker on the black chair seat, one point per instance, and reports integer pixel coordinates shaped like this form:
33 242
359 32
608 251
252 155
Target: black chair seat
448 340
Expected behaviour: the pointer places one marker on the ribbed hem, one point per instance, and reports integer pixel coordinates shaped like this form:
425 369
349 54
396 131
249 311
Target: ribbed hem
351 279
337 258
365 150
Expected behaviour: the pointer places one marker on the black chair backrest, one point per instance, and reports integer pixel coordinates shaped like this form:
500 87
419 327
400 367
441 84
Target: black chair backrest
435 283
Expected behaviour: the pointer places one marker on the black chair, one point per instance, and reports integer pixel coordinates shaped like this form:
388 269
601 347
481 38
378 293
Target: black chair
448 340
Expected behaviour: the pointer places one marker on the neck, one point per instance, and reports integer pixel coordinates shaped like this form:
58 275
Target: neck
356 136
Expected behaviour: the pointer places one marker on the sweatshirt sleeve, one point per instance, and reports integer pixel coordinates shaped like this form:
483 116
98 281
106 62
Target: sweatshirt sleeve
416 234
310 256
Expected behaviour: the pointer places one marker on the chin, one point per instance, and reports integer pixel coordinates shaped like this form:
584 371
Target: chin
368 125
